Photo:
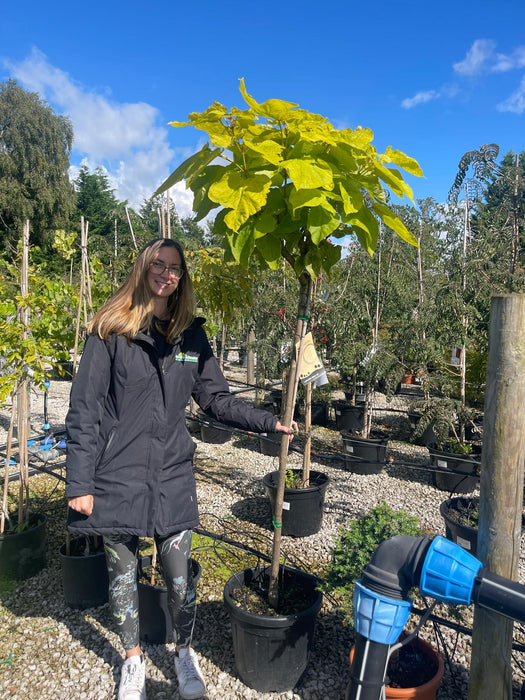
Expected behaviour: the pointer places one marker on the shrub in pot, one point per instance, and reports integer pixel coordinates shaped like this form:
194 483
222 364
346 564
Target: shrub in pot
355 545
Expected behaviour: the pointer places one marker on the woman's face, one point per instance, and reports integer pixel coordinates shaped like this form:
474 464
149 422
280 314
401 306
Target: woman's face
164 272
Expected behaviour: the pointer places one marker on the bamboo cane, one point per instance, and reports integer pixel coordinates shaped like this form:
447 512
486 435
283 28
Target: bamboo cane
3 514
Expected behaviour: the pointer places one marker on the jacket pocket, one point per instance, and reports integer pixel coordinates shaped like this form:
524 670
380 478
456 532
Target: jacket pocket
106 451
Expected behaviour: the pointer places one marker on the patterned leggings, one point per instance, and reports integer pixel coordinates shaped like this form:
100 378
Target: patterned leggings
121 558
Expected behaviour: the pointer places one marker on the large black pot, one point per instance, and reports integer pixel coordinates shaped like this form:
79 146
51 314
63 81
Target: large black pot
276 397
272 652
319 413
468 465
270 445
364 455
84 573
154 618
348 417
23 554
303 507
464 535
215 432
427 436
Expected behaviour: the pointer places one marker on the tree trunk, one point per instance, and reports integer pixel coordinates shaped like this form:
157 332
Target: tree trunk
308 433
303 313
501 491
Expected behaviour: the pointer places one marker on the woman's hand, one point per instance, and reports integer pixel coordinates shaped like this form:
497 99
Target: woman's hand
280 428
82 504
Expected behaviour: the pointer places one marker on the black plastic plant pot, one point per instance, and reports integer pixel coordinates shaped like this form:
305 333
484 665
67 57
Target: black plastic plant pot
23 554
302 507
272 652
319 413
460 533
276 397
427 436
464 482
84 573
348 417
270 445
214 432
154 618
364 455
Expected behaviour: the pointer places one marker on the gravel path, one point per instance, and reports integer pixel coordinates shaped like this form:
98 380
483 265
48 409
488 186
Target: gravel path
49 651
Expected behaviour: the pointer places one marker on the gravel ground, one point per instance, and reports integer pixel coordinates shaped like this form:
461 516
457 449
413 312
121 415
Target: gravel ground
49 651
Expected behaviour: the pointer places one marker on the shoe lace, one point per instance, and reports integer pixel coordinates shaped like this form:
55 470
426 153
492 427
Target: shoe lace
189 667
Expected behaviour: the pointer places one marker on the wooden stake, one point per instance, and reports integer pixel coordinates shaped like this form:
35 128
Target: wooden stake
501 491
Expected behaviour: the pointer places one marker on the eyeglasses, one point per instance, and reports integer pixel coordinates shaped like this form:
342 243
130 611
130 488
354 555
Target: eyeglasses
159 268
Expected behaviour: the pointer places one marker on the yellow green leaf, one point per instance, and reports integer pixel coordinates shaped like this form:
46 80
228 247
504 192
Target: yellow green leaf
244 196
269 247
270 150
307 174
305 198
352 201
393 222
394 180
190 166
321 223
272 109
399 158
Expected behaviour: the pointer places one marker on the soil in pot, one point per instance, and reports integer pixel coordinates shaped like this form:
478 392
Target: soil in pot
414 671
461 522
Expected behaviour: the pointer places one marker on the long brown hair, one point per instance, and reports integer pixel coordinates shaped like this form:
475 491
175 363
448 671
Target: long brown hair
130 309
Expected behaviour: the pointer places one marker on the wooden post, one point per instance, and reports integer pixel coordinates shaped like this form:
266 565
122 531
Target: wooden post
22 406
168 207
250 357
501 491
308 433
131 230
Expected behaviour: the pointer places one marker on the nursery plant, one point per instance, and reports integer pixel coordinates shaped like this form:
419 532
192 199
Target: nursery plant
287 183
357 542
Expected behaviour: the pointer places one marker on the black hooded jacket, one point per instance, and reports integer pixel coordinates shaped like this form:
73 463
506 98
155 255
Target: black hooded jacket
127 442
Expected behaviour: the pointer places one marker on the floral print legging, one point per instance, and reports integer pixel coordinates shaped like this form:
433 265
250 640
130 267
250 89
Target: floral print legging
174 552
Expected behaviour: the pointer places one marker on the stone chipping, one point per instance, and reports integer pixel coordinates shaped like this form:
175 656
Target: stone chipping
49 651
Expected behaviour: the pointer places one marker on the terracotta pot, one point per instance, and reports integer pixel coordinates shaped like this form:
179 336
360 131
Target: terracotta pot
428 690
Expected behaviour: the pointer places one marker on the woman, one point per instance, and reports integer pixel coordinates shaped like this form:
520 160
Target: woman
130 457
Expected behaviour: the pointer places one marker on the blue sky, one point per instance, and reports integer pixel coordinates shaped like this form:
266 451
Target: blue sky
431 79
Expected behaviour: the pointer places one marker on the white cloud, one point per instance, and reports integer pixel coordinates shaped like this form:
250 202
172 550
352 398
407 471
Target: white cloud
516 102
479 54
124 138
420 98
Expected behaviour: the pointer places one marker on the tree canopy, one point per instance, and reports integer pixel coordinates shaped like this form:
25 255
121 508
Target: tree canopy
35 145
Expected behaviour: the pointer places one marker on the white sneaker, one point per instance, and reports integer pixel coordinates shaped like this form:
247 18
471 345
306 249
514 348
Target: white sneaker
189 675
133 679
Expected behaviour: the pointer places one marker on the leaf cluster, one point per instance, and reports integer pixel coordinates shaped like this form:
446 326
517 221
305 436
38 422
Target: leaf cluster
289 181
356 544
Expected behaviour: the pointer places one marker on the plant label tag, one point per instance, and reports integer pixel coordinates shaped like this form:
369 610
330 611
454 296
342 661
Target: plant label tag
338 413
463 543
349 448
442 463
412 425
286 505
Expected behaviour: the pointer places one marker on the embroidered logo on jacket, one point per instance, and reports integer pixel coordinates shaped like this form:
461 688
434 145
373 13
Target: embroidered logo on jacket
187 357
